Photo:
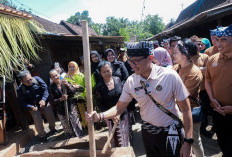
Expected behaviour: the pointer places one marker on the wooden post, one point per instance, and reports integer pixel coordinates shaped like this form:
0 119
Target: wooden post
66 106
12 100
3 136
86 53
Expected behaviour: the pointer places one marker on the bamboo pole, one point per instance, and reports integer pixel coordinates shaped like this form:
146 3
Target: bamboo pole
85 40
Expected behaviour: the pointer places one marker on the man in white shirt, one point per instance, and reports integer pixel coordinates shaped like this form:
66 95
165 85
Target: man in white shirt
166 87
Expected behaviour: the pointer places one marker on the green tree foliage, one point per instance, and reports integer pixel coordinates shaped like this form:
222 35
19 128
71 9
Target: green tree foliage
153 24
113 25
140 30
98 27
125 33
76 19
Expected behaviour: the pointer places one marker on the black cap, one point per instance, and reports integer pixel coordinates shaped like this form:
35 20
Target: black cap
142 48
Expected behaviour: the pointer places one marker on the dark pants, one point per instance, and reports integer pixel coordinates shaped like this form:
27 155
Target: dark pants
223 127
206 108
155 144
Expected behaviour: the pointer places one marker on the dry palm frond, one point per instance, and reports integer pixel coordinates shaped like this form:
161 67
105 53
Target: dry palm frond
16 43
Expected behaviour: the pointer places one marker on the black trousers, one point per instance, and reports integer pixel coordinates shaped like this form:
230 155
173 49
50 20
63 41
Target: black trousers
206 108
223 127
155 144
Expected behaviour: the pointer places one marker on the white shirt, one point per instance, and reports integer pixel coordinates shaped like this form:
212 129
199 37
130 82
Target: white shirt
165 86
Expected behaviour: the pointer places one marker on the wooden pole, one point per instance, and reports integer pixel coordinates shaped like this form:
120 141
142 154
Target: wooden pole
3 137
4 110
85 40
66 106
107 144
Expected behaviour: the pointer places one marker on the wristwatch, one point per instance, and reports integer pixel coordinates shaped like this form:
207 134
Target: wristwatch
189 140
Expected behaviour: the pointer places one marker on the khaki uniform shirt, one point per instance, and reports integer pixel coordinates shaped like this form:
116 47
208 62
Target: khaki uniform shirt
219 72
165 86
211 51
192 77
201 60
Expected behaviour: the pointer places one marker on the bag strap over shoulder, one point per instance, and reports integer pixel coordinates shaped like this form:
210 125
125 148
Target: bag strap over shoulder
196 100
160 106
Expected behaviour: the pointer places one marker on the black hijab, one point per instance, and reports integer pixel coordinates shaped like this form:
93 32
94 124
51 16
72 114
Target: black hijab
94 65
119 68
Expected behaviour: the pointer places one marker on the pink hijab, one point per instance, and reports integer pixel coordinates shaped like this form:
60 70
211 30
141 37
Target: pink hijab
162 56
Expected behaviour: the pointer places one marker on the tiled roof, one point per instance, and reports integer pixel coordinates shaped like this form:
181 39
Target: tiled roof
196 8
52 27
76 29
13 12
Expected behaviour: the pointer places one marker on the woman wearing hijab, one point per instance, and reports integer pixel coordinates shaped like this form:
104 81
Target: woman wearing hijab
162 57
77 79
206 44
95 60
119 68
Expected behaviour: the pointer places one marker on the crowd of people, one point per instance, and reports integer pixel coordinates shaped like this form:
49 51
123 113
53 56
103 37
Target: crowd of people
177 86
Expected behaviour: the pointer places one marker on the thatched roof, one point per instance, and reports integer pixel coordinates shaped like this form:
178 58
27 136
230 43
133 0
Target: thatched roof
199 11
196 8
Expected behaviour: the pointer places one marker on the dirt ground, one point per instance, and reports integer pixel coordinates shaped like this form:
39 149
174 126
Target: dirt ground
211 148
210 145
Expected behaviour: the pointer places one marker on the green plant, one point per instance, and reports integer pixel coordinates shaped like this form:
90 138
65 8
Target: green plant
79 79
